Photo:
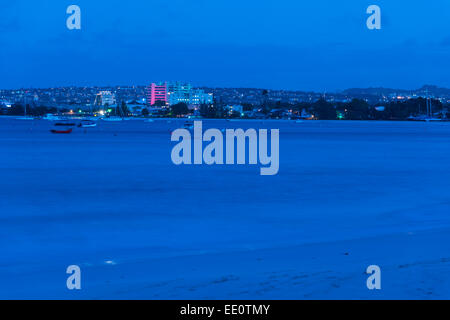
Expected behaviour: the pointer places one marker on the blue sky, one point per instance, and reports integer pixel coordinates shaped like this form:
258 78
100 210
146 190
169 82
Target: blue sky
319 45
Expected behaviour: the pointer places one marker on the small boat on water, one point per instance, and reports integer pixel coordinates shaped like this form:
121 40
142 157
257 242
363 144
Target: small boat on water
112 119
424 118
52 117
61 131
189 125
64 124
87 124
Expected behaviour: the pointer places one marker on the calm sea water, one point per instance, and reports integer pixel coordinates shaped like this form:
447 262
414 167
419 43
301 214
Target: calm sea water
110 200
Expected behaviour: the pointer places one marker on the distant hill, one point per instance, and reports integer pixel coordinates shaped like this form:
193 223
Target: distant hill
432 90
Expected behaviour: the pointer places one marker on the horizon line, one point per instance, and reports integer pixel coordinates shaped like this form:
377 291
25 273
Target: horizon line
212 87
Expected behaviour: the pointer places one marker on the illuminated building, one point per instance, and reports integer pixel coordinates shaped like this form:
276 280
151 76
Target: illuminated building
104 98
157 93
179 92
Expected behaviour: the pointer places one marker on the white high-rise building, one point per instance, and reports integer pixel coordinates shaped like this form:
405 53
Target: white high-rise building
105 98
178 92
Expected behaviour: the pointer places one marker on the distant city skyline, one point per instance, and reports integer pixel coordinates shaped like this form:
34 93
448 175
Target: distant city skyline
321 45
179 92
149 83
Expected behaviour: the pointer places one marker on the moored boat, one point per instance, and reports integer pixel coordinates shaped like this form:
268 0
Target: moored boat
61 131
52 117
65 124
112 119
87 124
